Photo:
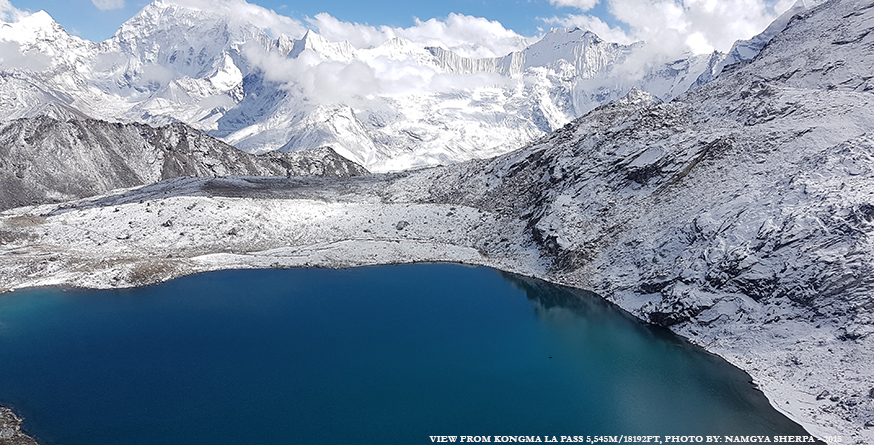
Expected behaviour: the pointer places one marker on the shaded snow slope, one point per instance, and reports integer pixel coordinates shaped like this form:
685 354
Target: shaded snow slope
47 160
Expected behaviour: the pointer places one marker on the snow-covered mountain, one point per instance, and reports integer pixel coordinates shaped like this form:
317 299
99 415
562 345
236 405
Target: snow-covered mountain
744 50
43 159
390 107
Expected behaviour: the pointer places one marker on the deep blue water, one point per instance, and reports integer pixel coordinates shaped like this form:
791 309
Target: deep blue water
389 354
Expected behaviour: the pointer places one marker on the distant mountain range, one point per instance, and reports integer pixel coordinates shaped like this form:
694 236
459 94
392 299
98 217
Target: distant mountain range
395 106
44 159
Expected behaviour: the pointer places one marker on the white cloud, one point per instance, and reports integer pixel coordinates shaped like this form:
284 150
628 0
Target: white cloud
359 36
106 5
674 26
594 24
357 83
11 56
466 35
582 5
8 13
784 5
156 73
107 61
320 81
221 101
243 11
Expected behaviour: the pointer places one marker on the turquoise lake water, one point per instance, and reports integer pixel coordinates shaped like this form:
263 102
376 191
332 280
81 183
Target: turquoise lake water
388 354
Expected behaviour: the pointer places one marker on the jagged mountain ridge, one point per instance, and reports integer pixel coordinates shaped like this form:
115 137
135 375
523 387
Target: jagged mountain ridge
584 50
744 50
47 160
211 71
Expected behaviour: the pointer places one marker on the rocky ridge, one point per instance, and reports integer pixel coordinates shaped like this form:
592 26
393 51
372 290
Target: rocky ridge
10 429
48 160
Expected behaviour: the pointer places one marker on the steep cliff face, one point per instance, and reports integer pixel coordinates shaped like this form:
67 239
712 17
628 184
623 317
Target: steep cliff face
47 160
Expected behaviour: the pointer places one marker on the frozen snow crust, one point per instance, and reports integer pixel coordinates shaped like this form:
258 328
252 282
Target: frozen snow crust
739 214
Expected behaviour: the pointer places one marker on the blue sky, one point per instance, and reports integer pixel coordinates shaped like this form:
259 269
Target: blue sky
672 26
83 18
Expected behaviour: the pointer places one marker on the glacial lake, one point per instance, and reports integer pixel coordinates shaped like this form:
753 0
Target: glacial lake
374 355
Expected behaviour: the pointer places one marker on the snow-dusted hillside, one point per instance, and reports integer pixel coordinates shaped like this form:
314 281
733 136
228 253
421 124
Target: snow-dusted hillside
47 160
739 214
390 107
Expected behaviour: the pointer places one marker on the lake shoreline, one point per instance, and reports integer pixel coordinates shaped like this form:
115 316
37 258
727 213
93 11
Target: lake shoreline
132 238
606 323
10 429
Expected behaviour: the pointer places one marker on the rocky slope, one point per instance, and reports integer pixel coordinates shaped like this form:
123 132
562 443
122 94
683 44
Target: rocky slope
47 160
738 214
391 107
10 429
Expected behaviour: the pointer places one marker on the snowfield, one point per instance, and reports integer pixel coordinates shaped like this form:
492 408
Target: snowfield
739 214
182 226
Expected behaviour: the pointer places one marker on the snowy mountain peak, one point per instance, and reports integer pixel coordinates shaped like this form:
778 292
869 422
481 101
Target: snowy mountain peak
397 45
174 41
575 34
584 50
397 42
165 24
320 45
744 50
283 44
397 48
161 13
35 42
32 28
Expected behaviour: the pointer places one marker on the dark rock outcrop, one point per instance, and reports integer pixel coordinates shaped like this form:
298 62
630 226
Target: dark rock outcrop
10 429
